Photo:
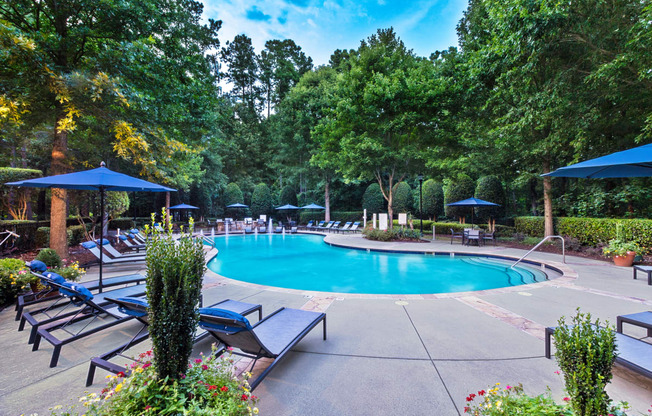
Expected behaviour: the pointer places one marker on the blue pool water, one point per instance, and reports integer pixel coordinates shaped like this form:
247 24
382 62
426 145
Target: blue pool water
305 262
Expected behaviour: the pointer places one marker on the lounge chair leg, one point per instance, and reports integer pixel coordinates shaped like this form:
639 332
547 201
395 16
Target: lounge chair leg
32 334
324 327
91 374
37 342
55 356
21 326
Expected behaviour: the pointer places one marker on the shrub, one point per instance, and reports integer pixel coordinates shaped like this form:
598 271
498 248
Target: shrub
402 200
175 269
373 200
433 199
69 270
288 196
13 278
489 188
77 234
122 223
14 199
461 188
42 237
261 201
206 388
531 226
512 400
49 257
396 233
585 354
233 195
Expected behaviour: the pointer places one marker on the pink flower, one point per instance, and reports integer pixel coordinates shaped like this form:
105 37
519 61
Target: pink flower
508 387
198 361
566 399
147 364
204 367
557 372
147 407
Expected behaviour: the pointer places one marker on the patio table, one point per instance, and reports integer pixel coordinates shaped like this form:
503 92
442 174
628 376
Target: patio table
644 269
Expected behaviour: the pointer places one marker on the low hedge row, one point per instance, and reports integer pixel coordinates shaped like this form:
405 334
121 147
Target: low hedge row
75 235
590 231
122 224
27 230
444 228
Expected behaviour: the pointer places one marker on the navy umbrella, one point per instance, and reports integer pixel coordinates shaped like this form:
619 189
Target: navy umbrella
287 207
312 206
472 202
636 162
183 206
100 179
237 205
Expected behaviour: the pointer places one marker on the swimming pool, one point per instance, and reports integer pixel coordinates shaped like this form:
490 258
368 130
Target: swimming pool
305 262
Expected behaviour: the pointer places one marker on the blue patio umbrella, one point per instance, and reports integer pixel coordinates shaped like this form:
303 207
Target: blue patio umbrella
636 162
100 179
287 207
472 202
184 206
312 206
237 205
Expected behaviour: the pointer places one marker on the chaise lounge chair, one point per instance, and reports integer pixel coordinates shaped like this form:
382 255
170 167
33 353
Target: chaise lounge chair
108 248
345 227
93 248
137 307
326 227
307 226
272 337
278 229
128 241
91 307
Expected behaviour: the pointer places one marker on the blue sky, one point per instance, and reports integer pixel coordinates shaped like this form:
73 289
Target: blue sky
320 27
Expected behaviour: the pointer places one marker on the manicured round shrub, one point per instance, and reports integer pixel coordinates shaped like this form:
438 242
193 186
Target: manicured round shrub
402 200
459 189
288 196
490 189
49 257
373 200
433 199
261 201
233 195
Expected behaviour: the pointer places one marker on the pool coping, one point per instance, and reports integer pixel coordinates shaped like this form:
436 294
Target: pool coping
567 276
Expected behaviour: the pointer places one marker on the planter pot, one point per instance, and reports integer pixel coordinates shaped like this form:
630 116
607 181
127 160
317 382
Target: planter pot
625 261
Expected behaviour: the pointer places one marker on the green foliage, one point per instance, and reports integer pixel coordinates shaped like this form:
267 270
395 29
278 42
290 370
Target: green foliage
13 279
585 354
288 196
489 188
402 199
49 257
392 234
433 199
175 270
261 201
69 270
42 236
122 223
373 200
458 190
207 388
233 195
511 400
14 199
618 247
531 226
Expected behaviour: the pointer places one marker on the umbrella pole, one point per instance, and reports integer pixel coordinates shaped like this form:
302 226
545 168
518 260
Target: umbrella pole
101 233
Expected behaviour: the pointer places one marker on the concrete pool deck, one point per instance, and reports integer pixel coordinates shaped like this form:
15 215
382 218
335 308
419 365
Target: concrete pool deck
388 355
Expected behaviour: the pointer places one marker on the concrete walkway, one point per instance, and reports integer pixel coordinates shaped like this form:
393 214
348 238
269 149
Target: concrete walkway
385 355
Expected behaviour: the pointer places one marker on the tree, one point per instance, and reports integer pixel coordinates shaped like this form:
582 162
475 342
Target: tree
288 196
261 201
458 190
433 199
384 114
233 194
489 188
403 200
242 71
373 200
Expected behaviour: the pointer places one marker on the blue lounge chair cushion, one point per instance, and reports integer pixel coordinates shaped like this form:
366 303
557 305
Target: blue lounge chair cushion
88 244
132 235
104 241
122 237
223 313
56 278
37 266
134 312
76 290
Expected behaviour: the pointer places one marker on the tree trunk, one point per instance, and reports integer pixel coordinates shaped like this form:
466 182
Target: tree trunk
327 200
28 193
167 210
59 206
547 199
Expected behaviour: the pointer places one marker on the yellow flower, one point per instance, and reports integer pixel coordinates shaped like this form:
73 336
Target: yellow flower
118 388
138 370
255 410
498 403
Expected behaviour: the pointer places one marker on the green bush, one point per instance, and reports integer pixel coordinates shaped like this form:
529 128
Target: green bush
586 353
489 188
233 195
343 216
42 237
530 226
26 230
122 223
461 188
77 234
175 269
511 400
373 200
49 257
13 279
288 196
402 200
394 234
261 201
433 199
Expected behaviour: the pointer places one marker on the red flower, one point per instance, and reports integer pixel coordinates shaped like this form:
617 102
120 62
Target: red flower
224 388
211 388
254 397
148 407
204 367
467 409
243 397
198 361
481 392
147 364
120 374
566 399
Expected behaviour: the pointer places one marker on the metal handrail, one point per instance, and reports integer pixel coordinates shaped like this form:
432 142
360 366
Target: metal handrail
563 249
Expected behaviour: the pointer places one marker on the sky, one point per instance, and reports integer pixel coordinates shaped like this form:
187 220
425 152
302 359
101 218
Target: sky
320 27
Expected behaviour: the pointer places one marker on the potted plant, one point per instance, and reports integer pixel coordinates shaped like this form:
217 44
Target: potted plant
623 252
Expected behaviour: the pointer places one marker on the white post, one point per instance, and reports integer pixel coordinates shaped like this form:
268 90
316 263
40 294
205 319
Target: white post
364 219
373 221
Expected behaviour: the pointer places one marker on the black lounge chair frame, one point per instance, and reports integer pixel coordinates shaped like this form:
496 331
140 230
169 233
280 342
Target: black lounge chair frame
227 339
103 362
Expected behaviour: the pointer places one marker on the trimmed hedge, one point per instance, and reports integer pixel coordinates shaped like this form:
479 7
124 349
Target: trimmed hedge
590 231
122 224
343 216
75 234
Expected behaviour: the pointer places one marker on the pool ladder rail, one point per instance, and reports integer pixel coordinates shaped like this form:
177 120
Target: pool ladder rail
563 249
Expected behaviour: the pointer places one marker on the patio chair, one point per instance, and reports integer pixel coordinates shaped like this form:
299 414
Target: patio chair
353 228
68 305
108 248
345 227
307 226
319 225
294 230
456 236
335 226
489 237
137 307
326 227
91 308
473 235
278 229
137 236
262 230
93 248
49 294
272 337
248 230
